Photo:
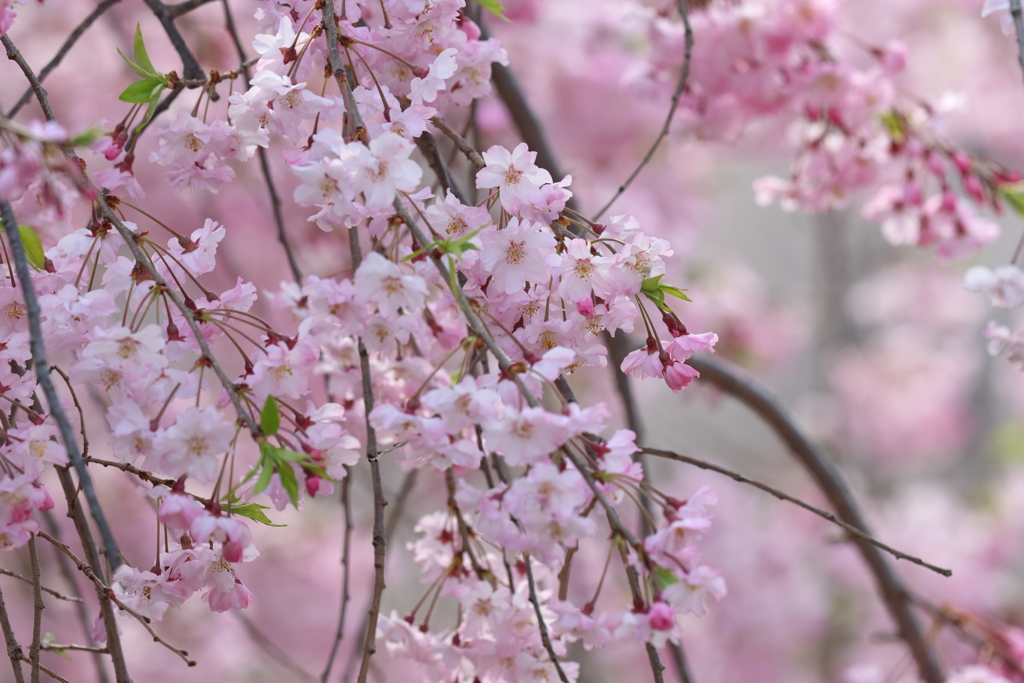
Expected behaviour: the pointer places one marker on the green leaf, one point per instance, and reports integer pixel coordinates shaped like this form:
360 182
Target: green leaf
141 92
141 56
291 456
459 246
676 292
651 284
34 253
49 640
1013 193
657 298
265 474
86 137
254 512
270 418
1006 442
153 101
33 247
136 68
289 482
893 124
494 7
665 577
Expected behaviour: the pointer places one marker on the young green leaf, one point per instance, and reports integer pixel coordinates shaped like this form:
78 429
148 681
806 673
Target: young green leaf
141 55
676 292
1014 196
154 99
665 577
494 7
34 253
267 463
651 284
136 68
289 482
140 92
270 418
254 512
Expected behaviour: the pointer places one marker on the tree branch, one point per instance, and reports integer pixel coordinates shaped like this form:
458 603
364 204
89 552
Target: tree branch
37 609
1018 25
770 408
42 371
849 528
13 648
680 86
52 592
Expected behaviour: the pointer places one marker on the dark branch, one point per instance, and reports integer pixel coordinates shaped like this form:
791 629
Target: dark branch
680 86
849 528
770 408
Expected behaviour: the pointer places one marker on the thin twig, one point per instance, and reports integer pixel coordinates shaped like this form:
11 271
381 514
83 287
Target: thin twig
49 672
400 498
379 502
42 369
460 142
771 409
54 647
37 609
849 528
68 43
13 648
680 86
541 624
92 555
145 475
190 67
272 649
52 592
275 200
183 8
346 504
91 575
1018 25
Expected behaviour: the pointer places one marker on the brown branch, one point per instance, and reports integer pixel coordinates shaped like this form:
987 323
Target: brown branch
49 672
769 407
92 555
1018 25
145 475
13 648
37 609
400 498
68 43
460 142
272 649
275 199
54 647
680 86
46 382
190 67
183 8
100 586
346 504
52 592
849 528
67 572
428 148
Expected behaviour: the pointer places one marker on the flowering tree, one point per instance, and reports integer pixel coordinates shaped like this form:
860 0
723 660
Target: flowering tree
328 254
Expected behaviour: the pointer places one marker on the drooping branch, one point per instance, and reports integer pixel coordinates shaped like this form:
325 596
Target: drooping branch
771 409
42 371
190 67
275 199
13 648
684 76
849 528
37 609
